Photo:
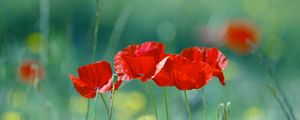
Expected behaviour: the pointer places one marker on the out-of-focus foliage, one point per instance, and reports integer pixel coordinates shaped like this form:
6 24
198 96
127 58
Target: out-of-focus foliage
176 23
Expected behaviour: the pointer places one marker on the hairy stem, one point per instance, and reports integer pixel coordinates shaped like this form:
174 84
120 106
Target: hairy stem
204 103
153 99
271 74
187 105
94 112
166 102
281 104
104 102
88 110
97 22
12 94
284 97
112 102
225 114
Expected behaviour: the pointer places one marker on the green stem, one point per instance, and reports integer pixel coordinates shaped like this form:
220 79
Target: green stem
94 109
166 102
281 104
153 99
97 22
96 29
277 84
285 100
88 110
187 105
117 32
105 104
225 113
204 103
228 110
112 102
12 94
218 113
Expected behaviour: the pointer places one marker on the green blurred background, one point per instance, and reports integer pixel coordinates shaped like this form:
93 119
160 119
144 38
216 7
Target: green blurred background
59 34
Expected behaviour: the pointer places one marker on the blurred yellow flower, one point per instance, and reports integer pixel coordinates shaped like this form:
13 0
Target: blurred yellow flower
78 104
127 104
132 101
11 116
123 115
119 99
146 117
253 113
33 42
137 101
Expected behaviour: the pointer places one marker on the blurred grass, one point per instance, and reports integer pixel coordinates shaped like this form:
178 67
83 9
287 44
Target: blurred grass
173 22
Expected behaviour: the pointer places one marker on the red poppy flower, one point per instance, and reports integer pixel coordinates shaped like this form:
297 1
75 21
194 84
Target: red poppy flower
176 70
138 61
94 78
30 71
192 69
240 36
211 56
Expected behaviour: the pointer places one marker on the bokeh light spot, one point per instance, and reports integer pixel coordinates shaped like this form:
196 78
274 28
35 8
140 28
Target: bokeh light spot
146 117
33 42
11 116
253 113
129 103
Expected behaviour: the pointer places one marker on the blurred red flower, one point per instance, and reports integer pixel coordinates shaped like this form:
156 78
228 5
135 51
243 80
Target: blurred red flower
241 36
192 69
138 61
94 78
30 71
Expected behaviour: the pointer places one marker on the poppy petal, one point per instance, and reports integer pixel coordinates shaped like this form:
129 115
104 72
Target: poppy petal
133 67
208 55
185 85
123 68
118 84
222 61
212 56
109 86
138 61
189 72
216 58
96 74
153 49
194 53
82 88
181 72
162 76
219 74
